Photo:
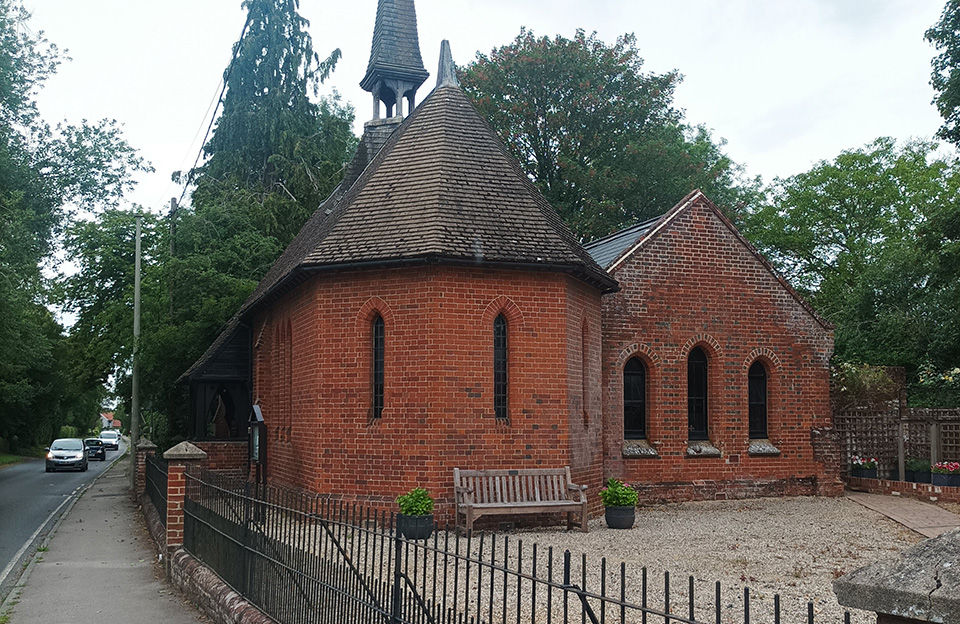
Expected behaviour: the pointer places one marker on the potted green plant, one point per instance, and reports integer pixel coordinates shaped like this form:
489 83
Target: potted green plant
946 473
620 504
415 520
863 467
917 470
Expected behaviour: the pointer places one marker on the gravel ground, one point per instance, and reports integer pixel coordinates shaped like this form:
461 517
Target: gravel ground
794 547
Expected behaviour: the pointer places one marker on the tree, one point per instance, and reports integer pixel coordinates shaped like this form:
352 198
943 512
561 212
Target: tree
47 174
274 156
861 237
945 79
600 137
275 152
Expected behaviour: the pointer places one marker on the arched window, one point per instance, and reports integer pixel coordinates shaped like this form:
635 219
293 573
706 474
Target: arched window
500 367
697 395
634 400
757 400
378 347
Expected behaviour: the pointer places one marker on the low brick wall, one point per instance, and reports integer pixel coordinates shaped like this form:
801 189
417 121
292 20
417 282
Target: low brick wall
656 493
199 583
224 454
922 491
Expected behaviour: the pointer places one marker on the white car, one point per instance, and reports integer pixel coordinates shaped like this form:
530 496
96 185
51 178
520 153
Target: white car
110 439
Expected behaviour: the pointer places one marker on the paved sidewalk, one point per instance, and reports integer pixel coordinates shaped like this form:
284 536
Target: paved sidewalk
101 566
924 518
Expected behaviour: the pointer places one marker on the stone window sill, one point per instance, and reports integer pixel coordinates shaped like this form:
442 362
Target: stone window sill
633 449
762 447
702 448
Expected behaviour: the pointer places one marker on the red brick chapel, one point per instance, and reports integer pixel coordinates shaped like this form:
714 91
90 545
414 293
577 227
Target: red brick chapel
435 312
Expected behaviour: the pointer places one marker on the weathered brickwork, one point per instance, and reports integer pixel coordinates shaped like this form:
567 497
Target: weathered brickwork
695 283
438 400
923 491
224 455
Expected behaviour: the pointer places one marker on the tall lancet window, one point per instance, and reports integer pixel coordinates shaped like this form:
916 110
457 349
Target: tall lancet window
697 395
378 348
500 368
757 400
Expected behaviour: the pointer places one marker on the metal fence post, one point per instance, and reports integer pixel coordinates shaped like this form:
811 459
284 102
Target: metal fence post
247 519
397 559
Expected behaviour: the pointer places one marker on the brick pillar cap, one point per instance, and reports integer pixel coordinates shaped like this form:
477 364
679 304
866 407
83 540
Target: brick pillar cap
185 452
921 583
144 444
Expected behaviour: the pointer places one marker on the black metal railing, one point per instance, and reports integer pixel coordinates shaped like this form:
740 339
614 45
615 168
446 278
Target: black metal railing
305 559
155 480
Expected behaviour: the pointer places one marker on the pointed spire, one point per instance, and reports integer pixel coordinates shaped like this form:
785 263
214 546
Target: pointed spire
395 70
447 72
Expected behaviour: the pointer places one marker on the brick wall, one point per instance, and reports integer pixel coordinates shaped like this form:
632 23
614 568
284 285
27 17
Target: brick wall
696 284
923 491
438 410
224 455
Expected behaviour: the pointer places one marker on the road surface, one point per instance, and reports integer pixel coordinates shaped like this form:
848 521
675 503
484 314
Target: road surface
31 501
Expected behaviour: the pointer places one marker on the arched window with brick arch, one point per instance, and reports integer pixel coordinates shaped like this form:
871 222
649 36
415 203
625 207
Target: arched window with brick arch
377 369
500 373
635 400
697 395
757 400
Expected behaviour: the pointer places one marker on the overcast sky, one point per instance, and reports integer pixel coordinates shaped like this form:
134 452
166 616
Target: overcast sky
786 82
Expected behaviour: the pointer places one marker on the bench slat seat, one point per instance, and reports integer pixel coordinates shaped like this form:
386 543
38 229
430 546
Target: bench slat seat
522 491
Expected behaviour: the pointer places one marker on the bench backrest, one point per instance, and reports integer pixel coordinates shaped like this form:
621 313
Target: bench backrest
515 486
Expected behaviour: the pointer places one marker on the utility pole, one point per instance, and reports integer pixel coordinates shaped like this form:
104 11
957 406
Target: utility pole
173 236
135 399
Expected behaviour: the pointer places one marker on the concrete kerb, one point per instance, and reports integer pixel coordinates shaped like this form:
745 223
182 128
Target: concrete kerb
14 596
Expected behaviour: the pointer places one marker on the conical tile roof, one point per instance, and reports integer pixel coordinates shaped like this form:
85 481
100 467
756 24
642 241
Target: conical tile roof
442 190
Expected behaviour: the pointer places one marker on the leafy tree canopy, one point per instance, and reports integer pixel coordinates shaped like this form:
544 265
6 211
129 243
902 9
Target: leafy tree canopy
600 137
864 237
47 175
945 77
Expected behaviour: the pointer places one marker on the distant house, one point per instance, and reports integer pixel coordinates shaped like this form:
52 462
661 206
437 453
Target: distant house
435 312
115 424
106 420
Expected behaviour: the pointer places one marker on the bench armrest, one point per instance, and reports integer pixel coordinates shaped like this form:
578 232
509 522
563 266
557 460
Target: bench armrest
463 494
573 487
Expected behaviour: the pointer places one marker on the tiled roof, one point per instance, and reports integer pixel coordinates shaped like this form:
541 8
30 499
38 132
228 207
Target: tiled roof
442 189
606 250
395 51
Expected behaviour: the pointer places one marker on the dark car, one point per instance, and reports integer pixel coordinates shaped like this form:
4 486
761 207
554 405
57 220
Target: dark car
67 454
95 449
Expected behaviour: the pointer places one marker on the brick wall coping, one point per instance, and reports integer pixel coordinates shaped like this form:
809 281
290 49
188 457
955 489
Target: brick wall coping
144 444
923 491
921 583
185 452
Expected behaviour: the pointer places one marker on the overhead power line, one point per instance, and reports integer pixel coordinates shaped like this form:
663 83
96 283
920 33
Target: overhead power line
213 117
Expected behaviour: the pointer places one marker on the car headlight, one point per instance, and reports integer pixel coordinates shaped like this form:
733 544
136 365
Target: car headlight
50 455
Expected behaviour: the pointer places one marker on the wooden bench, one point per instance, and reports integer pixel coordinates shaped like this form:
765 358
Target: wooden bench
511 492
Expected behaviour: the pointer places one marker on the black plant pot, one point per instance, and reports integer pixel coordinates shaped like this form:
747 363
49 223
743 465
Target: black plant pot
863 473
620 517
949 480
415 527
918 476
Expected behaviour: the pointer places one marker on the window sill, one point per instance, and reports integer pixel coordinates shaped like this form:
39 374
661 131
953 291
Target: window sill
702 448
633 449
762 447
